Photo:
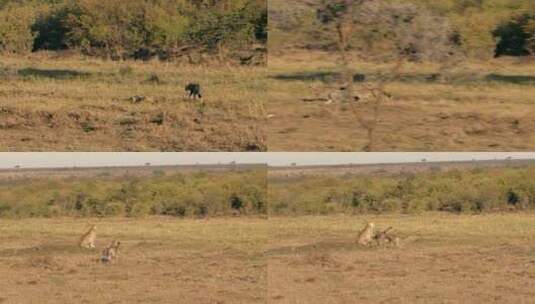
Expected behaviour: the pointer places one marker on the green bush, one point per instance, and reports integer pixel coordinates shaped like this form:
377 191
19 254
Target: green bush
470 23
472 191
137 28
16 35
50 28
133 29
188 194
515 36
418 205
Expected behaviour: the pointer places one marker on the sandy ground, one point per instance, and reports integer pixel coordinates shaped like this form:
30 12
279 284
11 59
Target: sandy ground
162 261
443 259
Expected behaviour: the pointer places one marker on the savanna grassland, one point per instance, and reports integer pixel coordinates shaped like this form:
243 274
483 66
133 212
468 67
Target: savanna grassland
467 235
487 106
88 75
77 103
453 75
162 260
466 232
443 258
188 235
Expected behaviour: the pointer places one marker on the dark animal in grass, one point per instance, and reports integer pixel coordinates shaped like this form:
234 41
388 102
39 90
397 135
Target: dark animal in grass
110 253
384 237
193 91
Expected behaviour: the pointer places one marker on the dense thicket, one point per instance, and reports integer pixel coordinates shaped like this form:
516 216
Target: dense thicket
192 194
142 28
476 190
480 28
516 37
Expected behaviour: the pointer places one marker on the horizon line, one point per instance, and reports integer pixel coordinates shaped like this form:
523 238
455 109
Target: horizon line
291 165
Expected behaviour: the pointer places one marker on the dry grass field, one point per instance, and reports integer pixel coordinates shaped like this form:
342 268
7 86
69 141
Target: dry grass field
163 260
458 258
50 102
485 107
443 259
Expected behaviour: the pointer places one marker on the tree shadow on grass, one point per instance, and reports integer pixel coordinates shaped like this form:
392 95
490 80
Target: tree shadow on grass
329 77
52 73
466 78
42 249
309 76
515 79
323 246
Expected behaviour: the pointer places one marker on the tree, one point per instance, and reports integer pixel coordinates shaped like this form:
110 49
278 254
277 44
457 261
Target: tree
103 26
530 29
227 26
144 29
387 31
50 28
340 13
16 35
516 36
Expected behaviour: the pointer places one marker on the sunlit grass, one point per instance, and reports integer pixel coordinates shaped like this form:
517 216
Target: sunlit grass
230 119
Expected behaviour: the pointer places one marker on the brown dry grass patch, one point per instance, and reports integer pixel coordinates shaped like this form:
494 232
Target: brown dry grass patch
443 259
162 261
52 103
486 107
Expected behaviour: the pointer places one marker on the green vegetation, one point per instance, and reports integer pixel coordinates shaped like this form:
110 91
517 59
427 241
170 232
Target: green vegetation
480 28
475 190
15 28
181 194
134 29
517 36
199 194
